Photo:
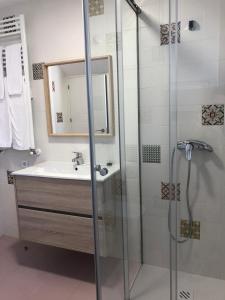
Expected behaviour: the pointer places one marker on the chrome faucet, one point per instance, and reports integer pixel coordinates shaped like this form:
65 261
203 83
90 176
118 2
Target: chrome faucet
189 145
78 159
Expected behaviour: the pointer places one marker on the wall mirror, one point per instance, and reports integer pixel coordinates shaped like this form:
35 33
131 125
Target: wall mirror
66 97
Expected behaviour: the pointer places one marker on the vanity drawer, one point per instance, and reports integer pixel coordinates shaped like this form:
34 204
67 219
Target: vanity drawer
55 194
65 231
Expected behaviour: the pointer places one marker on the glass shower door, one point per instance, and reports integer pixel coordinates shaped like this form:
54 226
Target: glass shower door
146 119
101 58
130 150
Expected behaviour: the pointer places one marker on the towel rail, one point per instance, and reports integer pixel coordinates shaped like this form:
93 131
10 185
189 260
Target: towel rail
12 30
9 34
10 26
10 19
4 62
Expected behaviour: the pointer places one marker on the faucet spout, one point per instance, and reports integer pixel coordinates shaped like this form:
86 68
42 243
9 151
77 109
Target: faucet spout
78 159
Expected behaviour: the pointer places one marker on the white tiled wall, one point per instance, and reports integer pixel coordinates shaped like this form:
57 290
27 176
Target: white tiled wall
200 81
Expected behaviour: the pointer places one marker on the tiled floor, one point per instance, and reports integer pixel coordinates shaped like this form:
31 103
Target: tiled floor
153 283
44 273
48 273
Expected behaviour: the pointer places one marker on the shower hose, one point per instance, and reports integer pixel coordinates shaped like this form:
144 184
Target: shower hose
190 218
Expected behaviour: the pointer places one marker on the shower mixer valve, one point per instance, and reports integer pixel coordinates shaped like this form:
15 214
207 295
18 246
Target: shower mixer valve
189 145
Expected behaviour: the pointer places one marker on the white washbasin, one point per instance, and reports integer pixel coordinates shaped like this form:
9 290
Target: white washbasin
64 170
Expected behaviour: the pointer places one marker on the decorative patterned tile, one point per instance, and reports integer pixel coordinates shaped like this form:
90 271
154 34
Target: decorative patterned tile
166 192
96 7
151 153
10 177
195 229
59 117
38 71
213 114
165 30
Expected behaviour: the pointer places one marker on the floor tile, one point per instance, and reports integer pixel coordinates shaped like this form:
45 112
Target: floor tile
44 272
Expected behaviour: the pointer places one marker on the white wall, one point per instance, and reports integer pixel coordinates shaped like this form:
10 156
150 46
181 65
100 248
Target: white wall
54 32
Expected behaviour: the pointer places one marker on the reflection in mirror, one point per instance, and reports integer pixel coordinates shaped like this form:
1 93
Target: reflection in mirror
66 97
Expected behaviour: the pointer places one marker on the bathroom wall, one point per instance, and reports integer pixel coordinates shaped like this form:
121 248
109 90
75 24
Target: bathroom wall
201 99
54 32
201 83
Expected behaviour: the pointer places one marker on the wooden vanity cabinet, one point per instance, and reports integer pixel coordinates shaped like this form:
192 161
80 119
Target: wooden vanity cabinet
56 212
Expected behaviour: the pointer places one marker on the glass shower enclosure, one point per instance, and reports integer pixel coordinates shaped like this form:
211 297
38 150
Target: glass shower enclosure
117 269
168 68
140 229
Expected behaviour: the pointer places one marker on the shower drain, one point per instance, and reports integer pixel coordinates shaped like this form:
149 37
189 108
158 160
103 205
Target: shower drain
185 294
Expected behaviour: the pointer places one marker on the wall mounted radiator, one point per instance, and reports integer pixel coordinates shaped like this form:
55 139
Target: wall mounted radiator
12 30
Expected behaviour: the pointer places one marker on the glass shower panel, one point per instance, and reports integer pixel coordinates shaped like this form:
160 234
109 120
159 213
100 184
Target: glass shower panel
157 54
174 184
100 30
130 117
200 113
146 120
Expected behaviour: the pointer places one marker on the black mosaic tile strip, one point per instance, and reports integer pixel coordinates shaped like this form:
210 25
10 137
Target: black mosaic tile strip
38 71
151 153
10 177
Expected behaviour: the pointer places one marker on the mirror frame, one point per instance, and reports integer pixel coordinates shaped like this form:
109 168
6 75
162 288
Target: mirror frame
48 101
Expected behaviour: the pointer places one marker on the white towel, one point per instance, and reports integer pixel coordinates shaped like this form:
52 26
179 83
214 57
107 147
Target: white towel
5 125
2 87
14 69
19 117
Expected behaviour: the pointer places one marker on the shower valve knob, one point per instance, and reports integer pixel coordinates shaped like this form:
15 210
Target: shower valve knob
102 171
